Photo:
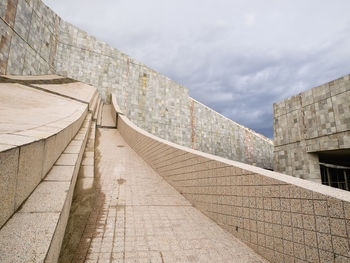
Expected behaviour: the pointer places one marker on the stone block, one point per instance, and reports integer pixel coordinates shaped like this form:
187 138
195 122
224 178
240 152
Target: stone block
280 130
293 103
321 92
29 171
5 40
340 85
47 197
293 126
30 66
16 56
27 236
23 19
310 120
34 38
307 98
67 159
50 154
60 173
8 174
341 106
8 11
325 117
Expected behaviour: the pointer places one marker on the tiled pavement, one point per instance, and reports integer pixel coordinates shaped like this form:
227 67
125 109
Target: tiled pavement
138 217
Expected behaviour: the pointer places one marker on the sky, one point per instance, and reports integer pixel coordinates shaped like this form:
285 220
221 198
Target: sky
236 56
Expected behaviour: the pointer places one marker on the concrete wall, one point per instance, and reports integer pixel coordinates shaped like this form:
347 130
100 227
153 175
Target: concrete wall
284 219
34 40
313 121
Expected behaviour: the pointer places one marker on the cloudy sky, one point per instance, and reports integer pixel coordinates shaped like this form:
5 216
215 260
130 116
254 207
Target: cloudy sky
236 56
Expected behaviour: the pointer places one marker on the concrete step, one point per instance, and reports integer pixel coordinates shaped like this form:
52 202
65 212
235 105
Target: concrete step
83 199
99 116
35 232
108 117
33 134
97 108
93 102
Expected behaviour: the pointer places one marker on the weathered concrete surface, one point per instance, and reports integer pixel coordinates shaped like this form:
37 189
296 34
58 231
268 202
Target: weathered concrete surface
138 217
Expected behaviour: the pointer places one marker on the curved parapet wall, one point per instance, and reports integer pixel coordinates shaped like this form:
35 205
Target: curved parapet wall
284 219
37 121
34 40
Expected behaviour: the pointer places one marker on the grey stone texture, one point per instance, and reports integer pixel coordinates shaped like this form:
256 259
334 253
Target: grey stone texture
36 41
312 121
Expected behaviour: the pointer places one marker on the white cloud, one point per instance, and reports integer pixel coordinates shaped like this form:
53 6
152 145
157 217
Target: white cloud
250 19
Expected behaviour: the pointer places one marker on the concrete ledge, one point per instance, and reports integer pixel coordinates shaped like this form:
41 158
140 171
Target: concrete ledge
35 127
84 185
35 232
283 218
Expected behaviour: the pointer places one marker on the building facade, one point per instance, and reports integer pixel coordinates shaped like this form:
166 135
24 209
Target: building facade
312 134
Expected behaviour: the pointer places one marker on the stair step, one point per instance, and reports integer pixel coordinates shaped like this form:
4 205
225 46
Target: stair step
45 212
99 117
83 195
97 108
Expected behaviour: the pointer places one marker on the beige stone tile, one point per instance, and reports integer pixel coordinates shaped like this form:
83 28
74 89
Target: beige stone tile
8 175
50 154
29 170
144 215
338 227
47 197
37 228
60 173
67 159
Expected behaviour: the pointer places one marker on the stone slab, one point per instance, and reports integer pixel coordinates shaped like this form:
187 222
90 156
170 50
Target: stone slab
29 171
8 176
26 237
60 173
67 159
47 197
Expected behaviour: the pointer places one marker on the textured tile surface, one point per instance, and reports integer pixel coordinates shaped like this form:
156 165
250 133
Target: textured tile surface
139 217
284 219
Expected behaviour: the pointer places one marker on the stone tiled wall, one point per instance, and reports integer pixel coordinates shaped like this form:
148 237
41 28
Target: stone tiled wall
34 40
216 134
284 219
315 120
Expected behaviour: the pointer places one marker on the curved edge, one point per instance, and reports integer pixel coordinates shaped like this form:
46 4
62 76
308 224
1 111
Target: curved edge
32 161
241 198
319 188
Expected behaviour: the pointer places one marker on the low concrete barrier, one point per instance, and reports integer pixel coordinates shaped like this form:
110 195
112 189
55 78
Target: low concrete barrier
284 219
35 232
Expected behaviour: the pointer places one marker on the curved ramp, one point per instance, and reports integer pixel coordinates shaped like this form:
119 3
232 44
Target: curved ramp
138 217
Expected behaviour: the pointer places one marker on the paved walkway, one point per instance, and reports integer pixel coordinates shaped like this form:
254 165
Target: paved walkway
137 216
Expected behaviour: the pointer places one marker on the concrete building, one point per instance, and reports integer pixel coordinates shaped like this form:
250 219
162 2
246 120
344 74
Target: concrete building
312 134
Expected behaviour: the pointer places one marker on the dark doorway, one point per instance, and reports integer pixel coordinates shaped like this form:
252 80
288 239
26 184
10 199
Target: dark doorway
335 176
